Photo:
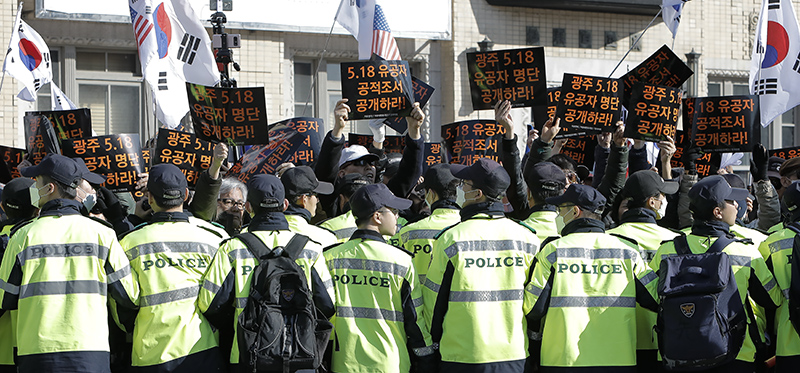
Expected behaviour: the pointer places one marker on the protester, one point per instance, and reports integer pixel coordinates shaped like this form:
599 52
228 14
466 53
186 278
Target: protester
377 327
62 327
230 206
585 285
474 287
226 283
344 225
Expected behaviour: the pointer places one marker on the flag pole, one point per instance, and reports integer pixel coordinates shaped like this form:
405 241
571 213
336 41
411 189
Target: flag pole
16 22
321 56
635 43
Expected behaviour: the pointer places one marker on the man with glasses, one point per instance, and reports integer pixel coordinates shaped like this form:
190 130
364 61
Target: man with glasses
378 325
302 189
230 205
335 160
586 285
473 294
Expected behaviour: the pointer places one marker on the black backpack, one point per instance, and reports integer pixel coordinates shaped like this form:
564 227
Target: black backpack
794 285
701 319
280 329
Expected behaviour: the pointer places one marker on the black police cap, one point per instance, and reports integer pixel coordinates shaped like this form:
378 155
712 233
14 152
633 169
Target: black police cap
58 167
644 184
266 191
166 182
438 177
583 196
302 180
712 191
370 198
546 176
486 175
16 194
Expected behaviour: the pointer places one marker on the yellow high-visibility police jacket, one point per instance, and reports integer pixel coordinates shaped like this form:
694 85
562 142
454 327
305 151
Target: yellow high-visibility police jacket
170 255
543 221
779 245
342 226
640 225
473 292
227 280
586 285
57 271
378 306
749 267
299 224
7 318
417 238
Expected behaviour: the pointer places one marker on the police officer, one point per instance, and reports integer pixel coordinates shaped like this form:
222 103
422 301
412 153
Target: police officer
170 255
302 190
587 284
16 203
440 192
647 194
714 208
378 295
344 225
474 287
780 245
57 271
544 180
226 283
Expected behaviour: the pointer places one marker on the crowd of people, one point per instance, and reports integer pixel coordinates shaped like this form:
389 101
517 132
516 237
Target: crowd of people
530 264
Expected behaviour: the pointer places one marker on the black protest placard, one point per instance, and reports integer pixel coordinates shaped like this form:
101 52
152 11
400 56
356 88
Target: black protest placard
117 157
392 144
704 165
68 124
724 124
12 157
581 149
432 155
654 112
293 140
541 114
516 75
190 154
40 138
422 94
470 140
377 88
589 103
661 68
236 116
786 153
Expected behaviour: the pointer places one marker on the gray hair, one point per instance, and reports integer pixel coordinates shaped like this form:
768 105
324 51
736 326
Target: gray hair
229 184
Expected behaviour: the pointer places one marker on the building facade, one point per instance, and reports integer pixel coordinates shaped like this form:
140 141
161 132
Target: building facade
96 65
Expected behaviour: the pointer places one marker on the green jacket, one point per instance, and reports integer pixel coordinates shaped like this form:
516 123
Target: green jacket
779 246
417 238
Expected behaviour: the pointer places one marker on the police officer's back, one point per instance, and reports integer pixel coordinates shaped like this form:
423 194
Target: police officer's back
587 284
417 238
303 190
378 327
544 180
345 224
474 287
780 245
170 255
714 208
226 283
57 272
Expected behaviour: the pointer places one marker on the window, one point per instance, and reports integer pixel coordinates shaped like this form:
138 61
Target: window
43 96
110 85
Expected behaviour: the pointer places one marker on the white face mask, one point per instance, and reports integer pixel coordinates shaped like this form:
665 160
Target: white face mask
460 196
662 211
35 197
90 201
560 223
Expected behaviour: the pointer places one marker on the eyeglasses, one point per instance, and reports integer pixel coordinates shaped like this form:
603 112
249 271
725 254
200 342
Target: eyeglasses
229 202
363 162
461 183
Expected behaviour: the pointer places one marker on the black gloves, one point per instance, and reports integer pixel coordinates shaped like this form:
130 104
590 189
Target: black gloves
760 163
690 156
109 205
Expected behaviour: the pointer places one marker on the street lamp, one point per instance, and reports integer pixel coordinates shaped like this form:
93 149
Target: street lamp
485 45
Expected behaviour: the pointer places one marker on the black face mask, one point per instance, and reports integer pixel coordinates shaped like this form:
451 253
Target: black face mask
231 222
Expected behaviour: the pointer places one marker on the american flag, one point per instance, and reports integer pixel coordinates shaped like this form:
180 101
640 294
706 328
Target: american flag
383 43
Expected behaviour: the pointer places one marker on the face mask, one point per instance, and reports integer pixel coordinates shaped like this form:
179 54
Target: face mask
90 201
560 223
460 196
35 197
662 211
427 199
470 199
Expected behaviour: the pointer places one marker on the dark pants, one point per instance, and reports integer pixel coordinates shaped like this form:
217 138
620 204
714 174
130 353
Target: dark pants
647 361
787 364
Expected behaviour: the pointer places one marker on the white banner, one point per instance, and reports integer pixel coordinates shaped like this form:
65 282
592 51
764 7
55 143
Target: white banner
422 19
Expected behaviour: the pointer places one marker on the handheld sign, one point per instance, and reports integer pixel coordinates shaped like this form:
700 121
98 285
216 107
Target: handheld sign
470 140
432 155
786 153
654 112
392 144
581 149
517 75
704 165
724 124
117 157
377 88
40 138
589 103
293 140
541 114
190 154
237 116
422 93
661 68
12 157
68 124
